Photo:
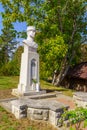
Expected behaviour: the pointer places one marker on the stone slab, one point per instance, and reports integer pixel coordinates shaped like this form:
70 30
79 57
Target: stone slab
37 109
80 98
41 96
81 95
15 92
6 103
40 104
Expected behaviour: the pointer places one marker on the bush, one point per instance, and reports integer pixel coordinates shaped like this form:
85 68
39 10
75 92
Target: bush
9 69
75 117
12 68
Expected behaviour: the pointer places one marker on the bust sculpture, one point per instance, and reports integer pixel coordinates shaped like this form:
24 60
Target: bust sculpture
30 37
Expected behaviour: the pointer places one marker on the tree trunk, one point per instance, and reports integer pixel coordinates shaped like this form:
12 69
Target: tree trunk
64 69
55 74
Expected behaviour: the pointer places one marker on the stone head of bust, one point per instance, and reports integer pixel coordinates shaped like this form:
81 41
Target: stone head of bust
30 37
31 32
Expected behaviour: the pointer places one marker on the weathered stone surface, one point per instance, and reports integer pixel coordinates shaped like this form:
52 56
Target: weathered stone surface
17 93
57 106
45 115
19 109
30 113
52 117
48 110
37 117
80 99
38 109
46 104
37 114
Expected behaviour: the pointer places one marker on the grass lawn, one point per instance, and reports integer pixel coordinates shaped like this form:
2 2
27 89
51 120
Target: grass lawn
49 87
12 82
8 121
8 82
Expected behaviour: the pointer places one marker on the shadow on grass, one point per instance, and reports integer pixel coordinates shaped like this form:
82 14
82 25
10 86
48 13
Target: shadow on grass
53 90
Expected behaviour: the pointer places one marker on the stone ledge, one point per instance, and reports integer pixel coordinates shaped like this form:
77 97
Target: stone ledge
80 98
46 110
43 96
15 92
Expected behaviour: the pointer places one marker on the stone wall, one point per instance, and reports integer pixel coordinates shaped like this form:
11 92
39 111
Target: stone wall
37 114
46 110
80 98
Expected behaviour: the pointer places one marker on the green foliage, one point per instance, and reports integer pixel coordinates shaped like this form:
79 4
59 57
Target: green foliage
7 47
4 58
83 53
16 61
53 51
57 21
9 69
7 41
75 117
13 66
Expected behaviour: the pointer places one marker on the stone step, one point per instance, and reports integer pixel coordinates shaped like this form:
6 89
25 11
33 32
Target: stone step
6 103
42 96
16 93
7 106
8 99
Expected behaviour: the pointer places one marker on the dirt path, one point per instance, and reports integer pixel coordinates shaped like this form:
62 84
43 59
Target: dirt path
5 94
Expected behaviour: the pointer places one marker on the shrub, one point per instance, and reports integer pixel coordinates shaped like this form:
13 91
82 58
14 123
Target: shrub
75 117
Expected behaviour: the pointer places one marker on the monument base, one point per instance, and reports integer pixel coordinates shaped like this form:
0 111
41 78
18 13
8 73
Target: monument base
17 93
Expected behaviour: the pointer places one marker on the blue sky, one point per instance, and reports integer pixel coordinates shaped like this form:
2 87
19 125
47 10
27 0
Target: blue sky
1 9
18 26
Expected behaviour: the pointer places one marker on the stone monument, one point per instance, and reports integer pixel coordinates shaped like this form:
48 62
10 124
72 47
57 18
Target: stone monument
29 72
32 102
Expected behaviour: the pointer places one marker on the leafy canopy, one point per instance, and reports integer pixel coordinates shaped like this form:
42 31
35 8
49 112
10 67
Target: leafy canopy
61 24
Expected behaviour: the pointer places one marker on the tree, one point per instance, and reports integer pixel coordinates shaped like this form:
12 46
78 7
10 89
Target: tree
83 53
17 60
12 67
53 52
7 42
64 18
67 18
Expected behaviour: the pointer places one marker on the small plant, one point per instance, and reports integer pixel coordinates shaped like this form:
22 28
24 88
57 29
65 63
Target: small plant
34 81
75 117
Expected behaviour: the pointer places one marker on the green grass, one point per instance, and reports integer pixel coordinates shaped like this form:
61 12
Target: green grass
12 82
8 121
8 82
49 87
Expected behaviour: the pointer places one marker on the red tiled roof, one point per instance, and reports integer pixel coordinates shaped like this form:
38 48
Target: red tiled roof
79 71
